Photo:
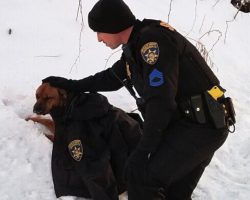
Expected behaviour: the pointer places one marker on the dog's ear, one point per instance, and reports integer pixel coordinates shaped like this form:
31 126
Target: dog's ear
62 93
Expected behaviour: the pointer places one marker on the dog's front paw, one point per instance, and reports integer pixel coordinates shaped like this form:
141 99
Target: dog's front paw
32 118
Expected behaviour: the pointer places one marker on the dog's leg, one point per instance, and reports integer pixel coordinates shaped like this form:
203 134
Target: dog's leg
48 123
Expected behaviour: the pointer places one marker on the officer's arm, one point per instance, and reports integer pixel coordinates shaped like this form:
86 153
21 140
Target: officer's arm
160 72
106 80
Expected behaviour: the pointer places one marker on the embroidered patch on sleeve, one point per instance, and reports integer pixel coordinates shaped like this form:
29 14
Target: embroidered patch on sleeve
76 150
150 52
156 78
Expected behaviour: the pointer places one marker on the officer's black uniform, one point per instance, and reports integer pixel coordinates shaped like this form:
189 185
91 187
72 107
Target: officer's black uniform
92 143
170 75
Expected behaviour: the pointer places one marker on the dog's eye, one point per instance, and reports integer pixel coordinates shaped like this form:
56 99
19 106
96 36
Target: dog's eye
48 98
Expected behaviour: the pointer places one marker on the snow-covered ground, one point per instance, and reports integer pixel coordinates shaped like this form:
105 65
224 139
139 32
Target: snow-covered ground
44 41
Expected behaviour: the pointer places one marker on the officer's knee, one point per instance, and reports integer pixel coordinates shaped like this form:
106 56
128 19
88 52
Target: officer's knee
136 175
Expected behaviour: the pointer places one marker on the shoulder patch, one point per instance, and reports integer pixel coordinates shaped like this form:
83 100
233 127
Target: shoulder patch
156 78
150 52
166 25
76 150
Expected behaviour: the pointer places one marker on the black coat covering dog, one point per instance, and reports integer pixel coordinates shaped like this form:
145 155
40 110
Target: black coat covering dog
93 141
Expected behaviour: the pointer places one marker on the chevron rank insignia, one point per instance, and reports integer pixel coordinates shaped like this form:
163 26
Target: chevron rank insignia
76 150
150 52
156 78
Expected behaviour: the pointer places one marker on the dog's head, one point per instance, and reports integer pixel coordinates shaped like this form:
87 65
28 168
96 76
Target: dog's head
47 98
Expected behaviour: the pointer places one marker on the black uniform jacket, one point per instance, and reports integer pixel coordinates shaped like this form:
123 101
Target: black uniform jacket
93 140
164 67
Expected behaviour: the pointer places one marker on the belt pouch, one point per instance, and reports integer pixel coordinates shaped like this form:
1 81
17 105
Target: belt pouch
198 109
216 111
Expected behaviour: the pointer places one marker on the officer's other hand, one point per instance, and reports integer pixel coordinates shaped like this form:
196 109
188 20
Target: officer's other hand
139 156
60 82
137 160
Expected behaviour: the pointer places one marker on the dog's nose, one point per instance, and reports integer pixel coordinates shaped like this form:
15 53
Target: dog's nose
37 108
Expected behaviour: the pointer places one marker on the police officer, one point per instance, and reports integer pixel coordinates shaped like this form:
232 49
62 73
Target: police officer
179 97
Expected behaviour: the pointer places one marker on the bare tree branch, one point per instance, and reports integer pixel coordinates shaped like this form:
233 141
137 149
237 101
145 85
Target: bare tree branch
209 32
216 3
202 48
205 54
211 27
107 60
195 17
202 23
170 9
203 51
230 21
79 10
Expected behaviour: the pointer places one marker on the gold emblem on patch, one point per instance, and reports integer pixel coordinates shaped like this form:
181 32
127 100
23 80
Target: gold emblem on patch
76 150
166 25
150 52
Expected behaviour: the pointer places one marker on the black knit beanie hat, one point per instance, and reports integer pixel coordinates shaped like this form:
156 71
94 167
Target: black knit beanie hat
110 16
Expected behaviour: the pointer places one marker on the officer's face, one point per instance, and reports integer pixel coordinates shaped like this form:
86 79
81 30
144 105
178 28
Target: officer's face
111 40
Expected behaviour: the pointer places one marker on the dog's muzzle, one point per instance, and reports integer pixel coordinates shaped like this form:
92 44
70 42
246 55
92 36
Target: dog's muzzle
39 109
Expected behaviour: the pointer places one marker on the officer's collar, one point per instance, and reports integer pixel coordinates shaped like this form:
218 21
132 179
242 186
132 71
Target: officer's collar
139 27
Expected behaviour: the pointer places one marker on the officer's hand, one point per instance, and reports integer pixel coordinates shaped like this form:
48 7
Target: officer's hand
60 82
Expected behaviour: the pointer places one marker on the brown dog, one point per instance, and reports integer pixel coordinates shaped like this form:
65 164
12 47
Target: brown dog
92 142
47 98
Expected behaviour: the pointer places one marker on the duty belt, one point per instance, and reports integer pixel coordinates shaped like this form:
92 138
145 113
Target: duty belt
210 107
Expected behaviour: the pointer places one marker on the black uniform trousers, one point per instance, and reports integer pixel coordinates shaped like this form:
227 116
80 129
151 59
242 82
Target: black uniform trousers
174 170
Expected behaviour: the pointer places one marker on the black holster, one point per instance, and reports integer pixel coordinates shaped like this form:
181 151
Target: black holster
215 111
229 111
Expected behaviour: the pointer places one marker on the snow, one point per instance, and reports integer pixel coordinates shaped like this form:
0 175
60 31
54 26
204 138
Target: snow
45 41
